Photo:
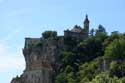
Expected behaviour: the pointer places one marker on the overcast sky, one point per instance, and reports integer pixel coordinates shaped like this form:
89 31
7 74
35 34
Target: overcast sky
29 18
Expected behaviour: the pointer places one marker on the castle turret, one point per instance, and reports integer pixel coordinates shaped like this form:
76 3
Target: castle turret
86 24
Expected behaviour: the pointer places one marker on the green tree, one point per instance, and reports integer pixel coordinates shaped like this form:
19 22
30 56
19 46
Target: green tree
87 71
92 32
112 37
67 76
91 47
61 78
68 58
122 80
71 77
100 29
116 49
105 78
48 34
114 69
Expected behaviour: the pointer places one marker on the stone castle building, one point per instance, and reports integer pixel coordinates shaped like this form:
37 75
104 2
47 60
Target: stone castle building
78 32
42 55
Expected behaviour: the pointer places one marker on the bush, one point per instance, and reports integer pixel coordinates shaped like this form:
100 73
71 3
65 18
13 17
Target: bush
116 49
48 34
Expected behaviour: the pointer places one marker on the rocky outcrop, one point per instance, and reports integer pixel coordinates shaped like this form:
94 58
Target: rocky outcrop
42 60
42 55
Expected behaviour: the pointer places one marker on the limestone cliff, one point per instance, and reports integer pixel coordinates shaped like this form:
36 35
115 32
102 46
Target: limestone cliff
41 56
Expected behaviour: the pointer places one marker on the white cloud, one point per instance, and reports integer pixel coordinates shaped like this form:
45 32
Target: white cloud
9 60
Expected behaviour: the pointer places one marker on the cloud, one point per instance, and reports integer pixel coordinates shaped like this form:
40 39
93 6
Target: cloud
9 60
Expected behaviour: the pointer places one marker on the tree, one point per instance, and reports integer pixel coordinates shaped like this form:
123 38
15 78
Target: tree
114 69
87 71
122 80
61 78
100 29
68 58
92 47
48 34
92 32
116 49
105 78
67 76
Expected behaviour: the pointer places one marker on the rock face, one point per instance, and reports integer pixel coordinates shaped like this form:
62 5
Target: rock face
41 60
42 55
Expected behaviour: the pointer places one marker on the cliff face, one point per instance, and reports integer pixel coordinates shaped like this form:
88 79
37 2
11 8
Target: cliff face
42 55
42 60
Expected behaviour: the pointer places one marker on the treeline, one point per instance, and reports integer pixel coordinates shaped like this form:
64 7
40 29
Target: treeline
80 62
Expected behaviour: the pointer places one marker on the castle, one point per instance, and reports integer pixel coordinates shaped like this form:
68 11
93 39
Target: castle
42 55
78 32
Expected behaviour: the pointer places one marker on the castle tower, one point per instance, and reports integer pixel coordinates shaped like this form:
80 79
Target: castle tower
86 24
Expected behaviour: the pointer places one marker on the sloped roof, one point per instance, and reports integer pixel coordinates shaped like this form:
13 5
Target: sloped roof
76 29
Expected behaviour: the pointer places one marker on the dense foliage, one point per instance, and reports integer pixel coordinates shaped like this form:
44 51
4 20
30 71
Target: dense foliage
98 59
116 49
48 34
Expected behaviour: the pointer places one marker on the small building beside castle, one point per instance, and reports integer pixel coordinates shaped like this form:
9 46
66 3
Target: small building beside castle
41 55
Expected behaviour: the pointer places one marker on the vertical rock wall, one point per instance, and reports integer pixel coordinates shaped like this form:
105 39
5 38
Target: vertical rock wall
41 61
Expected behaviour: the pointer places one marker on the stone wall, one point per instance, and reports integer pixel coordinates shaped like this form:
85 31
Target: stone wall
78 36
